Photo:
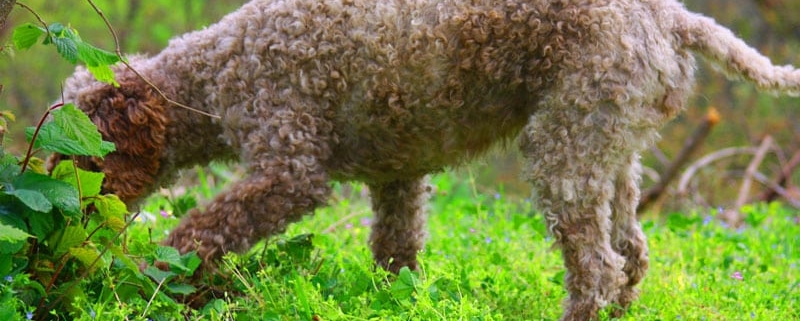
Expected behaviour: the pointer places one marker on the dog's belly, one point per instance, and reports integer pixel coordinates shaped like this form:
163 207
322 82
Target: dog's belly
421 141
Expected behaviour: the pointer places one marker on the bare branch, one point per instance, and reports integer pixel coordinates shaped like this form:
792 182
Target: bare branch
732 216
689 146
777 189
744 191
705 161
782 179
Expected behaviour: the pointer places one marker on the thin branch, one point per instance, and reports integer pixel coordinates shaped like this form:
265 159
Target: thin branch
118 51
705 161
744 190
38 17
782 179
29 153
777 189
689 147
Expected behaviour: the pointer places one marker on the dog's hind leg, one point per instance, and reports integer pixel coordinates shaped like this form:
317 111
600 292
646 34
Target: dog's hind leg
573 160
627 237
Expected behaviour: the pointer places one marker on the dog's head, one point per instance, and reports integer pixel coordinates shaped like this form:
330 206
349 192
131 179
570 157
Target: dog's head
132 116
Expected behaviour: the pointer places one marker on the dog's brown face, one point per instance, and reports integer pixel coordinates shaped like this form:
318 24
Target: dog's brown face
132 117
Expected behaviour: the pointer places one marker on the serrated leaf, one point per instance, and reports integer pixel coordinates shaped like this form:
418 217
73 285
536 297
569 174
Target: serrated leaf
72 236
93 56
168 254
405 285
104 74
12 234
58 193
158 275
67 48
115 223
41 225
71 133
183 289
91 182
26 35
56 28
120 256
32 199
87 255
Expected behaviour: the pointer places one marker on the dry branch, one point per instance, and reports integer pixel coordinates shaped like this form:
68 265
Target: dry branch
690 171
732 216
744 191
689 146
777 189
782 179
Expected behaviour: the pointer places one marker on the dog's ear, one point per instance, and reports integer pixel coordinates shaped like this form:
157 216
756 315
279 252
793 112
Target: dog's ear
132 116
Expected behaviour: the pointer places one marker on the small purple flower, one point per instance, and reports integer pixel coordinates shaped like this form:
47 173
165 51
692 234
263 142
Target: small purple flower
29 315
707 219
365 221
752 315
164 214
9 279
497 196
737 276
488 240
92 314
348 226
472 230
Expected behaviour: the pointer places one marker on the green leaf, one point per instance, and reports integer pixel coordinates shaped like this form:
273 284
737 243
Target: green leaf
87 255
60 194
12 239
41 225
12 234
72 236
93 56
91 182
168 254
405 285
184 264
103 73
32 199
67 48
71 133
26 35
183 289
123 258
158 275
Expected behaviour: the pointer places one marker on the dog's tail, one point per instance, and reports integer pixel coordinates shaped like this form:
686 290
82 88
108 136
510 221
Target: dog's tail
738 60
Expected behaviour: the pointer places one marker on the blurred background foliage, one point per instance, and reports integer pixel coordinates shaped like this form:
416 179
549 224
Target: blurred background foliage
32 80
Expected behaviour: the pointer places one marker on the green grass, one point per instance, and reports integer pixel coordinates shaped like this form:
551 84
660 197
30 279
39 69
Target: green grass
487 258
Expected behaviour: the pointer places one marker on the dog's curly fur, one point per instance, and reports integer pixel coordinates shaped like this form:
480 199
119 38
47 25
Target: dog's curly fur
388 91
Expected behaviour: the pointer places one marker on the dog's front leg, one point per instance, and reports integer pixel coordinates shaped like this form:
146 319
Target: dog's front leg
398 232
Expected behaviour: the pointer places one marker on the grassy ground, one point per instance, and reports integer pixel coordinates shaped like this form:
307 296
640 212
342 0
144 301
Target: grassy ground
489 258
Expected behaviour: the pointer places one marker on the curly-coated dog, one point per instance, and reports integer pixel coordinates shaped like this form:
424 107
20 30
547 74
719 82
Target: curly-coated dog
386 92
